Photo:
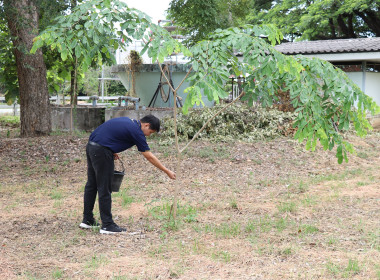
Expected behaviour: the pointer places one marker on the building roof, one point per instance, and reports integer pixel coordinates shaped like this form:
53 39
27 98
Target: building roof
331 46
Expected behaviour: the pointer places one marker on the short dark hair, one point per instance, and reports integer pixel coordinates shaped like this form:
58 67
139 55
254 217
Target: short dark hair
153 121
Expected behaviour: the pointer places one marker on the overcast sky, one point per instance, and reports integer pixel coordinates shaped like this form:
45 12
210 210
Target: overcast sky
153 8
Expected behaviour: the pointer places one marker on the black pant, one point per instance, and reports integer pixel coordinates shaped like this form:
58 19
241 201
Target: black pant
100 169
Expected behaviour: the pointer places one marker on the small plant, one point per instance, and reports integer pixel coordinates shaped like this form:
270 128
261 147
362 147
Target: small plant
302 187
363 155
307 229
96 261
374 239
349 271
332 268
224 230
233 204
309 200
287 207
251 226
57 274
265 224
250 179
56 194
281 224
185 214
57 204
332 241
126 200
222 255
286 252
352 268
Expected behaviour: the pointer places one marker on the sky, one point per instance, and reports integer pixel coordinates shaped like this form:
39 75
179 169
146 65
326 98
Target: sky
153 8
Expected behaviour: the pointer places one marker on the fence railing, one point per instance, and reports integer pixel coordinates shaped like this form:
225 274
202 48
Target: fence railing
14 109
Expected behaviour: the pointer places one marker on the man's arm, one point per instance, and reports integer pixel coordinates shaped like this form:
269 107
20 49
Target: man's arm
155 161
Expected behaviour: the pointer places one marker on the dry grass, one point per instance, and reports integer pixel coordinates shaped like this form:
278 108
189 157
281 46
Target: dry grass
268 210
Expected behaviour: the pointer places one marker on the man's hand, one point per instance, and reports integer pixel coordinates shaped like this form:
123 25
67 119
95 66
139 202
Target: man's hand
171 174
116 156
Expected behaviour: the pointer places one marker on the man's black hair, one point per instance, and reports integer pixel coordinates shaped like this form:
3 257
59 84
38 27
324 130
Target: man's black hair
153 121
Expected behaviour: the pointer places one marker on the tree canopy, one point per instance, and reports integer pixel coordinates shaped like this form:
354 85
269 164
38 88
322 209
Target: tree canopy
297 19
320 19
197 18
90 33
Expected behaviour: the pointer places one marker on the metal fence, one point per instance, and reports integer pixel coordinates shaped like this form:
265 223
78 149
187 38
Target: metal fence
6 109
14 109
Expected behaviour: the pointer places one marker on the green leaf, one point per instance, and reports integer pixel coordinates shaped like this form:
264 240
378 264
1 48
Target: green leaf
64 54
339 153
38 43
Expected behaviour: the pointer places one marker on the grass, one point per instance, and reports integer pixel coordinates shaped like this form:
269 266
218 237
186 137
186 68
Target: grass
286 252
307 229
95 262
12 121
287 207
126 199
185 214
224 256
224 230
282 221
210 153
58 274
56 194
350 270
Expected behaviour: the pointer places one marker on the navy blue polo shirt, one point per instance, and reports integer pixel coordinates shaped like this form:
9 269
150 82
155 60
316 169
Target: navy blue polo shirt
120 134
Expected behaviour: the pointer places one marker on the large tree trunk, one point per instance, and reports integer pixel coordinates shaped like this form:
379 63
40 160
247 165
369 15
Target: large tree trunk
22 17
372 19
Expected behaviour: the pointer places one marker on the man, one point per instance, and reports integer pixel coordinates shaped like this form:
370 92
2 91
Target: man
110 138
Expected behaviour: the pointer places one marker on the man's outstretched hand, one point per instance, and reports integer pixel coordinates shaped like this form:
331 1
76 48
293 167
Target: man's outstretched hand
171 174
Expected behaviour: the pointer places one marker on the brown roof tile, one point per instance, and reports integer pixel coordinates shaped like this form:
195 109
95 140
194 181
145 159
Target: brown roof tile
331 46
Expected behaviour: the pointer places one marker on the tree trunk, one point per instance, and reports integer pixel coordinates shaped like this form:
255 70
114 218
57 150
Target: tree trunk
372 19
22 17
73 81
344 28
73 86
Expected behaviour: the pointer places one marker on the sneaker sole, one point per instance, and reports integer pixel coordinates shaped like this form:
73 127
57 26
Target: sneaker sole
86 226
110 232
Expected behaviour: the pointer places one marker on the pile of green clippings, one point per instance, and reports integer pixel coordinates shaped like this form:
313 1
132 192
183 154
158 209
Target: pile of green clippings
237 122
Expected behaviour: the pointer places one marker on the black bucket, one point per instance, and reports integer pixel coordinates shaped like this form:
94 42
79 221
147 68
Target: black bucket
117 179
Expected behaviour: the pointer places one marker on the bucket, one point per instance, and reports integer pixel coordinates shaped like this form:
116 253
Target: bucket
117 178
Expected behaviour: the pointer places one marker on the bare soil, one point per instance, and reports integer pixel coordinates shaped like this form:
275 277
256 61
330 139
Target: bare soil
264 210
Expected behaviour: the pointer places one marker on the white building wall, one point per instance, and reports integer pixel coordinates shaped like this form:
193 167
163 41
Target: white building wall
369 82
373 86
122 55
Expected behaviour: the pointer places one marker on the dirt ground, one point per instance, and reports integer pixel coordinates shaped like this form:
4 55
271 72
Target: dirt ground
265 210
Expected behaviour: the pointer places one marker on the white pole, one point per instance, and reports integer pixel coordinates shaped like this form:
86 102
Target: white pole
103 84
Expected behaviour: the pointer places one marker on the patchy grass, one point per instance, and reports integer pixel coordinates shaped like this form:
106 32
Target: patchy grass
264 210
10 121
